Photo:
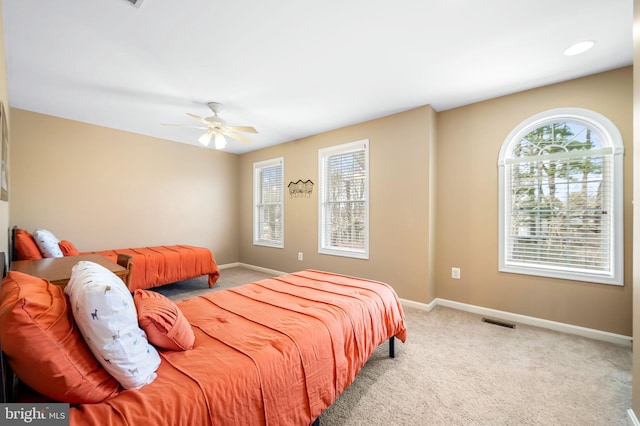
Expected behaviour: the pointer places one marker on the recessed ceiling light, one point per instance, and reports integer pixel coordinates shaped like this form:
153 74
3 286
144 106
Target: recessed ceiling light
579 48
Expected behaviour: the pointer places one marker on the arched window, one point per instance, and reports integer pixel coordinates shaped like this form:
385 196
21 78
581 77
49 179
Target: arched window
560 184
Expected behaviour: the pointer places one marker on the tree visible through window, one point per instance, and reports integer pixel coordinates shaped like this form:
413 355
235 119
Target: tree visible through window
268 200
561 199
344 204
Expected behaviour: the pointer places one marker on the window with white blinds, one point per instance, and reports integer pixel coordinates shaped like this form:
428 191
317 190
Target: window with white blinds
268 201
561 198
344 200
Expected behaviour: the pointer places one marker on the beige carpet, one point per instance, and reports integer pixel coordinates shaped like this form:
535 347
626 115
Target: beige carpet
457 370
230 277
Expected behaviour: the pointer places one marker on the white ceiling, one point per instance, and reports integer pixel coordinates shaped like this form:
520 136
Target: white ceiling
293 68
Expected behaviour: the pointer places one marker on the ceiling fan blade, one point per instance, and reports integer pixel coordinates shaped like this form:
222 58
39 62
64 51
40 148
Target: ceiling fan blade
216 126
235 136
200 119
243 129
206 137
184 125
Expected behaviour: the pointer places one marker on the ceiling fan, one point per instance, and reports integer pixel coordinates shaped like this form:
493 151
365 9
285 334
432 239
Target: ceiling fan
217 128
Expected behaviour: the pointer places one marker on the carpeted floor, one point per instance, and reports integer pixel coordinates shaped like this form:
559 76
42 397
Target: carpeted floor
229 277
457 370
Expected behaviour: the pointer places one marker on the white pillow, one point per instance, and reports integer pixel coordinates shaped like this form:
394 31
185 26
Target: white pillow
47 243
106 316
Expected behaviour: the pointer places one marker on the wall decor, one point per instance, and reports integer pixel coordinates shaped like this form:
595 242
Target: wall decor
300 188
4 174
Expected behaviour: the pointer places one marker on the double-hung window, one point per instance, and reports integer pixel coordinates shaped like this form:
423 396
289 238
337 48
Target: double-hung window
560 183
268 202
344 200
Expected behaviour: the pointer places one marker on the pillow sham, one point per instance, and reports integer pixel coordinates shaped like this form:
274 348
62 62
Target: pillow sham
106 316
47 243
163 321
67 248
44 347
26 248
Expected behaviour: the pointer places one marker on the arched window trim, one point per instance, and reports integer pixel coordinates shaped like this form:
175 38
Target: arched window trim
611 139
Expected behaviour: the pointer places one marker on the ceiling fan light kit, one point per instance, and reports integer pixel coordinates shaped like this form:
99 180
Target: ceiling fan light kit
205 138
220 141
217 127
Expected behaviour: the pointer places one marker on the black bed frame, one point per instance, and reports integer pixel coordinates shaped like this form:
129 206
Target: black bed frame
13 255
9 380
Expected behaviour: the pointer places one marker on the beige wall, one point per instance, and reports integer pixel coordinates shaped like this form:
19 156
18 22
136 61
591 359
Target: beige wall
4 98
102 188
399 155
635 402
433 198
434 205
469 141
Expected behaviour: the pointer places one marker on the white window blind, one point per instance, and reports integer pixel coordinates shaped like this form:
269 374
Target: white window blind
268 196
560 212
344 200
561 194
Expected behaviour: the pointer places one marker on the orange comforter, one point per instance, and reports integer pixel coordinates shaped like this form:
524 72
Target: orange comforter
278 352
156 266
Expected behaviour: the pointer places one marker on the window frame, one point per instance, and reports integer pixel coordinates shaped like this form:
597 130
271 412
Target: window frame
611 139
257 171
323 155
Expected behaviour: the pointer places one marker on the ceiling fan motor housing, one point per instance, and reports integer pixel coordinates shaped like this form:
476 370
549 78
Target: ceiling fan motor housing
216 107
214 119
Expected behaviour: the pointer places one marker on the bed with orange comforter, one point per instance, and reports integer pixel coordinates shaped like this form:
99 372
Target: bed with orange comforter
277 352
156 266
152 266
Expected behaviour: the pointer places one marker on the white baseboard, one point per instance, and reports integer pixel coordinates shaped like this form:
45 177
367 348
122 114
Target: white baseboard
255 268
632 417
524 319
418 305
229 265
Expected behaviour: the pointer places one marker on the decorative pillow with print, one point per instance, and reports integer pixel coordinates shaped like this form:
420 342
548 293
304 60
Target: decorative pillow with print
47 243
106 315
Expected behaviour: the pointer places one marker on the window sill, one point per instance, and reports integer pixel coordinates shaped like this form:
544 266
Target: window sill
587 276
344 253
268 244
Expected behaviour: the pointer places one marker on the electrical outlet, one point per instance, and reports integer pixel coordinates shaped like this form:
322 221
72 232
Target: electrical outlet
300 256
455 273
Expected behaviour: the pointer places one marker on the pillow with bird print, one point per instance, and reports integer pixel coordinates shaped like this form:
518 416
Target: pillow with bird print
105 313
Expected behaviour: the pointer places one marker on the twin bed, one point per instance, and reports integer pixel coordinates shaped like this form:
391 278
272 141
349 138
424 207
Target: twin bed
151 266
160 265
277 351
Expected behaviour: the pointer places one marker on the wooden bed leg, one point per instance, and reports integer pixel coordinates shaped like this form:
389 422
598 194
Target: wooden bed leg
392 347
126 261
316 422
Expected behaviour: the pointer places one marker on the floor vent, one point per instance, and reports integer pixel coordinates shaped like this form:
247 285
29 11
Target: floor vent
500 323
